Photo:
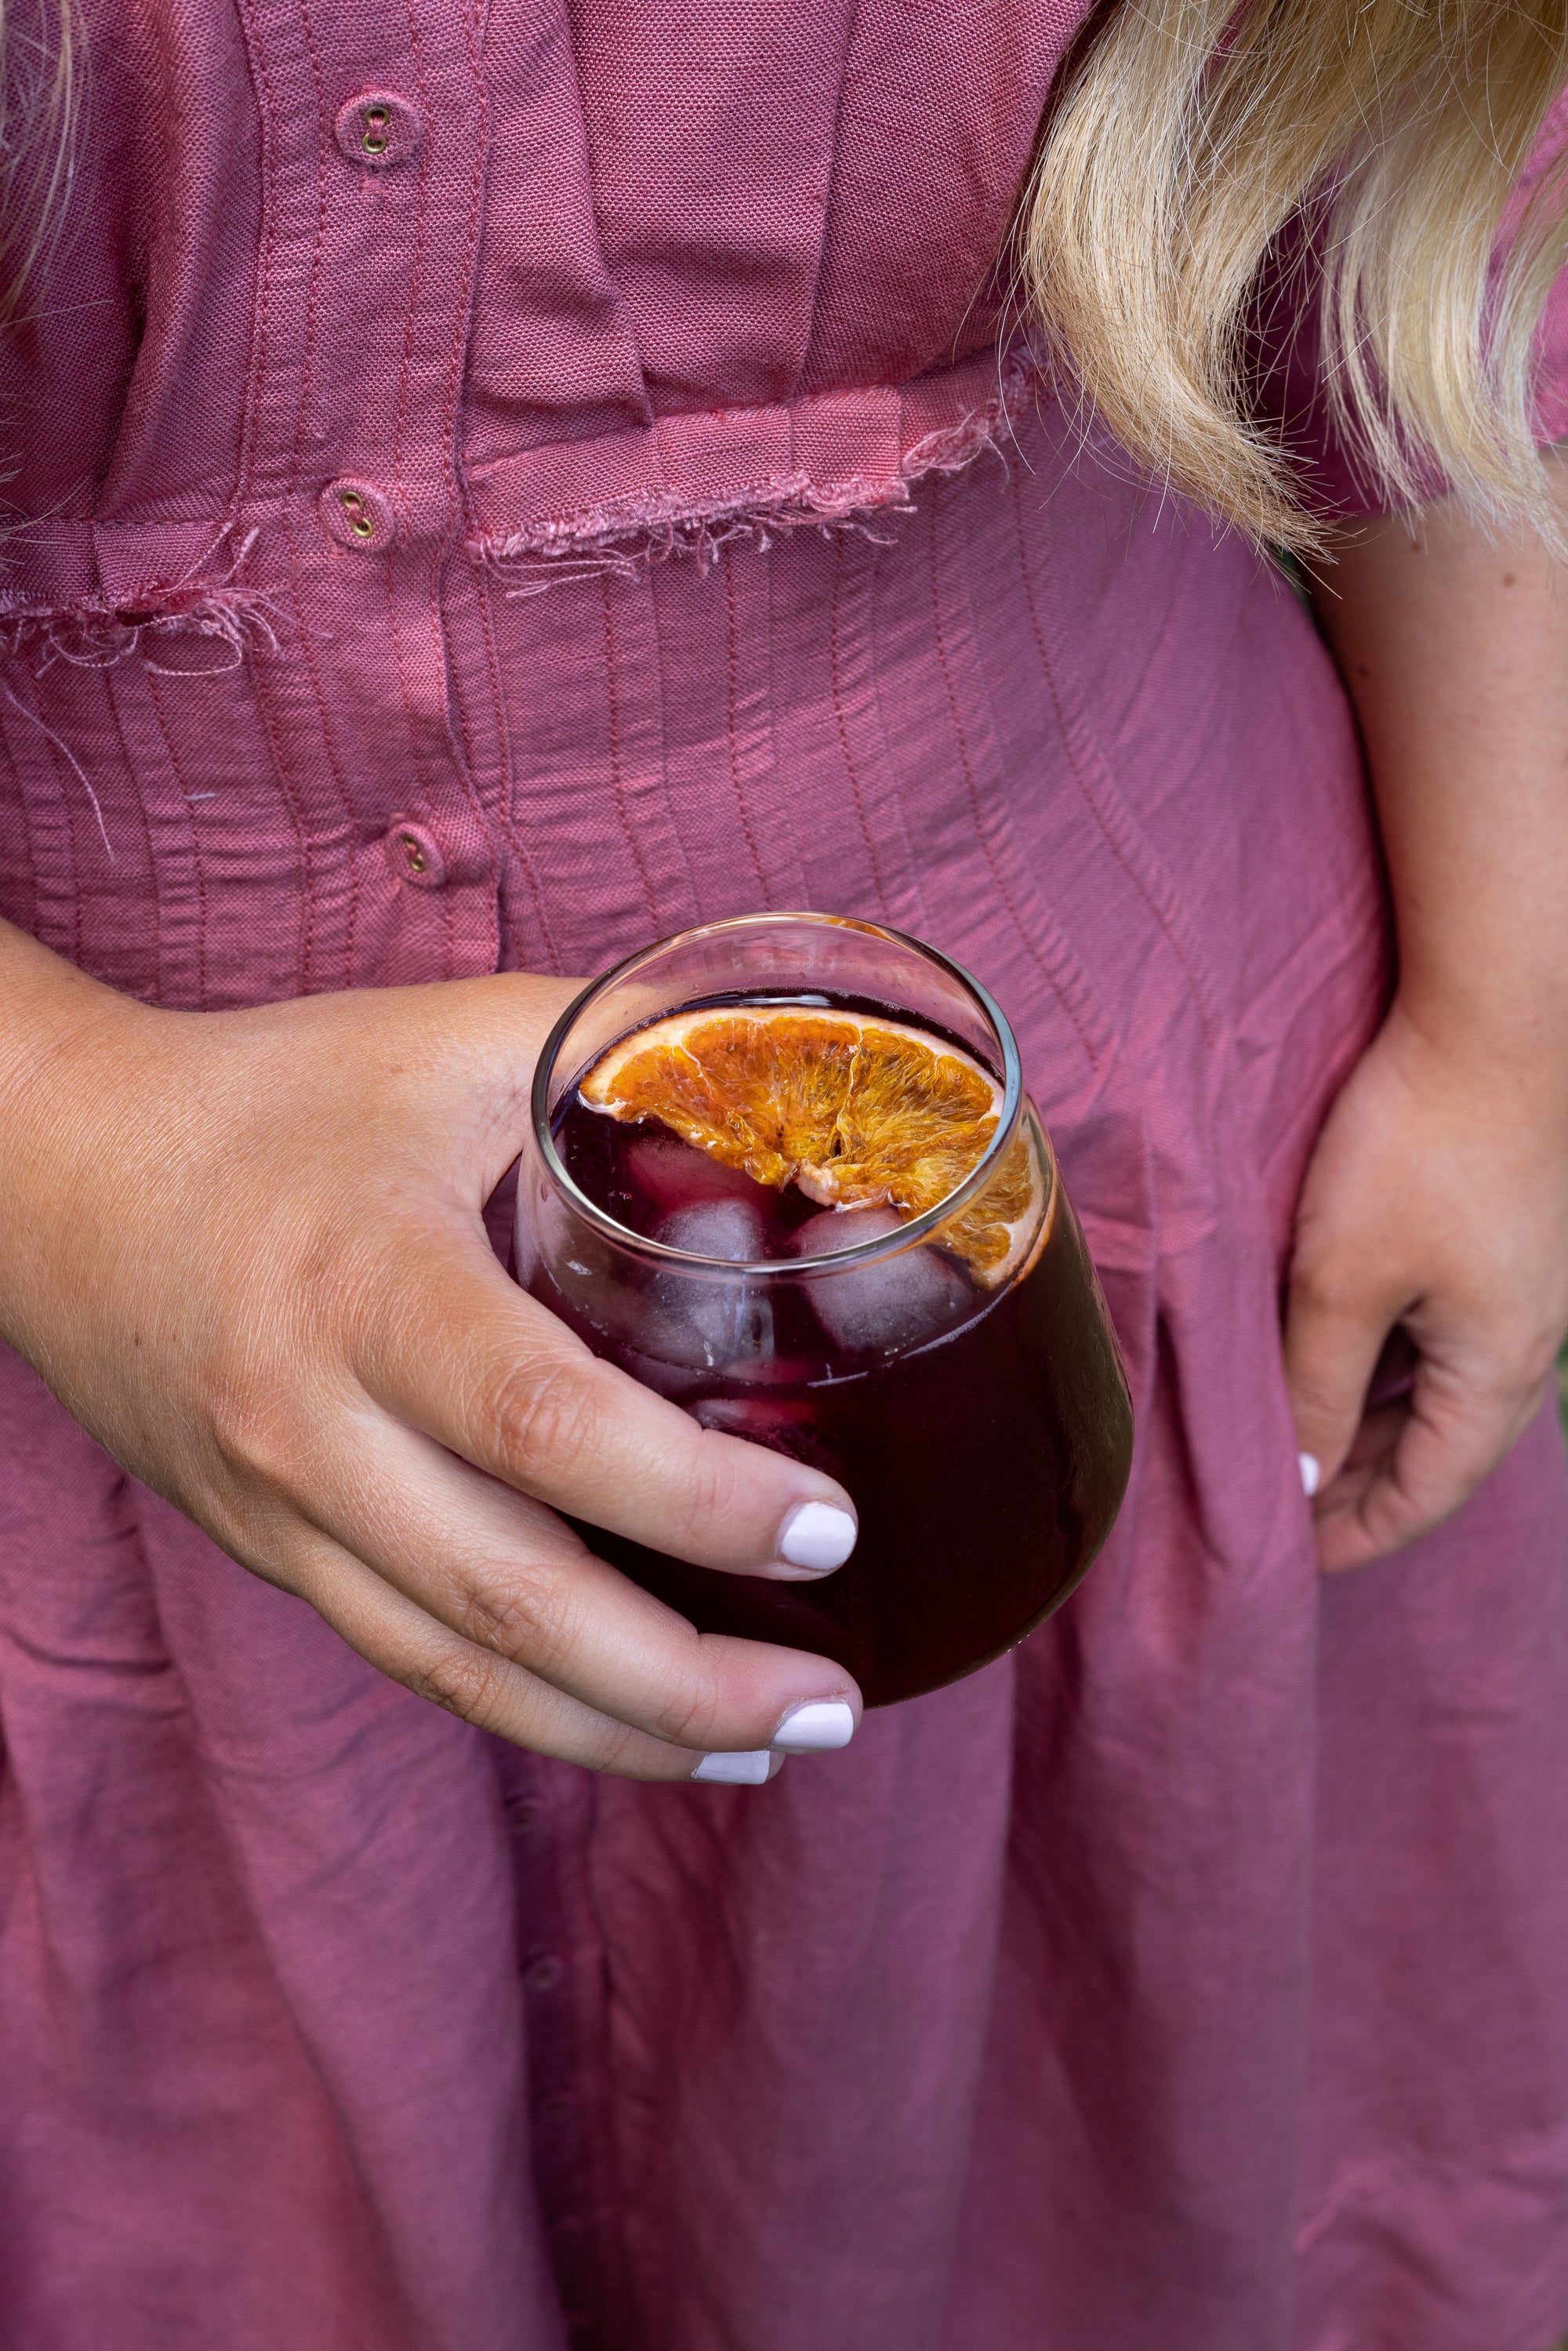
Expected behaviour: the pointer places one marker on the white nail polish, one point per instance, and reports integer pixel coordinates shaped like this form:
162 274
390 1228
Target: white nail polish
1312 1473
745 1771
812 1729
817 1536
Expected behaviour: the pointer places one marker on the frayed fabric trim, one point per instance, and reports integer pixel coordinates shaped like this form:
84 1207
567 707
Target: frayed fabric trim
624 535
98 633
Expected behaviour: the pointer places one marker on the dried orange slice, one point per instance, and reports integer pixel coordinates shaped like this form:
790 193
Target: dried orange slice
851 1108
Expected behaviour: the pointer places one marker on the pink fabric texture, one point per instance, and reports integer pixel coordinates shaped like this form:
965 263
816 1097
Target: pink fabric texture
611 474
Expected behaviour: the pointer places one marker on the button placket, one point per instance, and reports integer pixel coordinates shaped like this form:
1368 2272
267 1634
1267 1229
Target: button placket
562 1996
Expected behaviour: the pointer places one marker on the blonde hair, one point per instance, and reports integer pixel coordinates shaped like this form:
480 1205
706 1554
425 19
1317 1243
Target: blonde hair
1192 132
39 95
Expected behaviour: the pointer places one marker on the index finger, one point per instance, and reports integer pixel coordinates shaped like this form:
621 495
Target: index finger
473 1361
1414 1464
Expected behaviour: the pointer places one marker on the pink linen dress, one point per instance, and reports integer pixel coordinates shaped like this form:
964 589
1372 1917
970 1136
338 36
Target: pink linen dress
495 481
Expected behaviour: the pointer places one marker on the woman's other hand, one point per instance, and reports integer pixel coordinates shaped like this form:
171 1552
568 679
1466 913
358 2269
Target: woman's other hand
1437 1196
247 1250
1436 1201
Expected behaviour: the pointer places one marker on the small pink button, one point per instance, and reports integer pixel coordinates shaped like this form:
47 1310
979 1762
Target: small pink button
356 513
415 854
377 128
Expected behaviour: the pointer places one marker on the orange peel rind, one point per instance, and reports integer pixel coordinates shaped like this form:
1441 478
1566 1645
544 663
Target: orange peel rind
854 1109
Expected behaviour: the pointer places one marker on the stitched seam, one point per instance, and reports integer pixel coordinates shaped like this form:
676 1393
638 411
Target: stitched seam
154 870
256 52
351 924
796 879
68 802
19 799
154 867
510 822
475 203
449 926
912 884
672 833
834 150
416 268
733 648
1004 890
304 846
404 692
415 275
457 734
307 388
462 761
313 298
421 238
155 696
1079 757
836 686
617 778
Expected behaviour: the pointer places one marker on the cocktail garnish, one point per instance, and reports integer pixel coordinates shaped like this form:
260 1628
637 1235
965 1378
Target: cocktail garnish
852 1109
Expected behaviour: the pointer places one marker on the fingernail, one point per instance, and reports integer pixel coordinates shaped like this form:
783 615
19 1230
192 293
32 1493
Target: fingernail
744 1771
817 1536
1312 1473
812 1729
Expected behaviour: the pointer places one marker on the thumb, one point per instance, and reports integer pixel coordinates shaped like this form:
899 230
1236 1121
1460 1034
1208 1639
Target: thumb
1333 1341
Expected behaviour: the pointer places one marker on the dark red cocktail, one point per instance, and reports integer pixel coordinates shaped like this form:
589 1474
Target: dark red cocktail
956 1373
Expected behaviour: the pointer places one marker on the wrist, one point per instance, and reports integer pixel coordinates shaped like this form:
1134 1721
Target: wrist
66 1041
1505 1056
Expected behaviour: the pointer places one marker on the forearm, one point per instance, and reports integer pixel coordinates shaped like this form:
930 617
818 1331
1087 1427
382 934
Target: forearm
68 1051
1455 649
49 1009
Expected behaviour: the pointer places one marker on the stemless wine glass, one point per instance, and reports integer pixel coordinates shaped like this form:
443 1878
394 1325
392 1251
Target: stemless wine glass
979 1418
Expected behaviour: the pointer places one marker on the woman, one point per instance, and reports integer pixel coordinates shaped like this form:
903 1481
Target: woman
496 485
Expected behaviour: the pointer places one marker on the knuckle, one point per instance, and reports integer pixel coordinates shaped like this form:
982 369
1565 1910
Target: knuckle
1321 1399
1324 1288
532 1620
686 1715
1390 1523
711 1482
256 1431
1475 1398
540 1414
462 1680
332 1264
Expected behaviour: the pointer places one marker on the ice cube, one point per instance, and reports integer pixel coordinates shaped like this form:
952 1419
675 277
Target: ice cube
675 1174
706 1320
714 1228
888 1306
842 1228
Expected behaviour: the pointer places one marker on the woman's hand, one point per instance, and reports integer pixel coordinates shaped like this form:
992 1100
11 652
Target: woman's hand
1436 1201
1438 1195
245 1249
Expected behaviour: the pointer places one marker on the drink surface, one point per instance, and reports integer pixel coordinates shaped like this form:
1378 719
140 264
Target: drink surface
983 1433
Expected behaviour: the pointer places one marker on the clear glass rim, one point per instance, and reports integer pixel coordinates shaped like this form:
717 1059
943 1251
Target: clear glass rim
917 1229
